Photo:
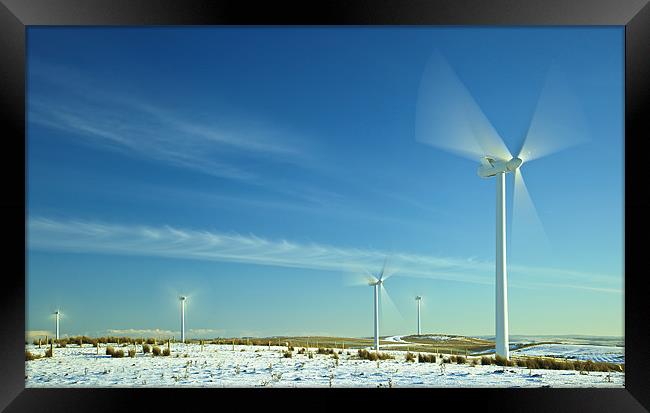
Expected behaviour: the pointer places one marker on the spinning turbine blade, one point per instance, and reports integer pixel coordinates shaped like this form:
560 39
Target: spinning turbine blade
527 229
391 309
387 271
383 268
558 121
358 278
448 117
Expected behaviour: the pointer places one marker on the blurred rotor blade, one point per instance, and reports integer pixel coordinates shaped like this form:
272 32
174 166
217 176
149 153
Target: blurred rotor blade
359 277
391 311
448 117
383 268
388 270
558 121
528 234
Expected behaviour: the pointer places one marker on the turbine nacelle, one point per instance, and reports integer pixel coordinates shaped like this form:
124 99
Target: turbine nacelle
491 166
182 298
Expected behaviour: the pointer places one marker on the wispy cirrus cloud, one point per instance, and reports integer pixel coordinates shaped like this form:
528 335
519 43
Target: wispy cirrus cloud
167 241
136 332
152 136
156 332
211 142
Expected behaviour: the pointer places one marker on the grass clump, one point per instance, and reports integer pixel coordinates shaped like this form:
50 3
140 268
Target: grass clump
461 360
48 352
118 354
554 364
373 355
301 351
132 353
426 358
502 361
287 354
156 351
410 357
110 351
146 348
486 361
167 352
325 350
31 356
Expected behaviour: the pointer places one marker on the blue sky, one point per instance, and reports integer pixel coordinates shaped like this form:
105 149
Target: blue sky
258 169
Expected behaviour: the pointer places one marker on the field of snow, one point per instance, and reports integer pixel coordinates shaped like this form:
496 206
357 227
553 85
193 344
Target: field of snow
253 366
610 354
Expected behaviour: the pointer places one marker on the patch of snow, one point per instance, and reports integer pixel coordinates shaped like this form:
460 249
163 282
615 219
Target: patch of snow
609 354
396 339
437 338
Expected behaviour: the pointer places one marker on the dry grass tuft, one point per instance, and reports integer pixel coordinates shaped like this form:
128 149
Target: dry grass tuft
373 355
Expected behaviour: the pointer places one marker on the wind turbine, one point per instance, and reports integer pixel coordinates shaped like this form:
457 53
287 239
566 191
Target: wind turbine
377 282
182 299
418 299
57 315
449 118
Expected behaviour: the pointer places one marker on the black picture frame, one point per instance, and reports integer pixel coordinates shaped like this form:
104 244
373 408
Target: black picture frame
17 15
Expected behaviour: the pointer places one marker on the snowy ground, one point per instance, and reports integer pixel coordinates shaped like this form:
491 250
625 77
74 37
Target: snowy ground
610 354
253 366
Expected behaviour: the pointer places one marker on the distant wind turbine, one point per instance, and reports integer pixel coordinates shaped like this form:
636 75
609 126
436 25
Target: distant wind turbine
418 299
57 314
377 282
182 299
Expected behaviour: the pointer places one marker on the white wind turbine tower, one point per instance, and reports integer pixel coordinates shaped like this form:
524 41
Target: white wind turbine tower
57 315
449 118
182 298
418 299
376 284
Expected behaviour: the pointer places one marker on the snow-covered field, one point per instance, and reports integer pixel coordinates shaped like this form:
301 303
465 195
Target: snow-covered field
610 354
252 366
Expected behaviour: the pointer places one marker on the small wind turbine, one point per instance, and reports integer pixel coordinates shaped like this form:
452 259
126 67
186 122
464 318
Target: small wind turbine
418 299
377 282
183 298
449 118
57 315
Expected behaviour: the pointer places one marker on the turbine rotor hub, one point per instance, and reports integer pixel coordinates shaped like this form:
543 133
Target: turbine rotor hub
513 164
491 166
